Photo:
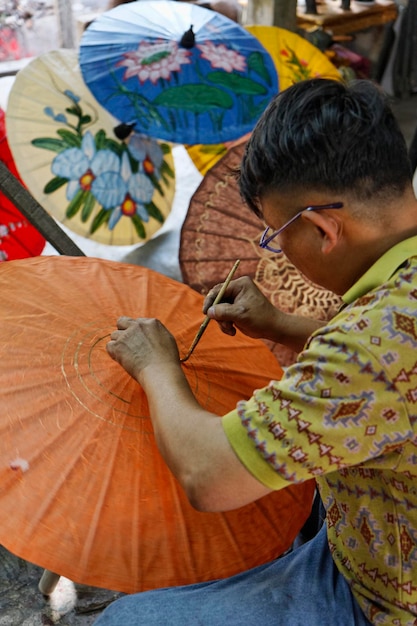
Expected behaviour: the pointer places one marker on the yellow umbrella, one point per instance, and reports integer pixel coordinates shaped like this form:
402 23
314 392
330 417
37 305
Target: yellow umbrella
295 59
90 173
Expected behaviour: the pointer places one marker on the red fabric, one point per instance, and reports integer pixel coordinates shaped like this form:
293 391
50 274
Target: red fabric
18 238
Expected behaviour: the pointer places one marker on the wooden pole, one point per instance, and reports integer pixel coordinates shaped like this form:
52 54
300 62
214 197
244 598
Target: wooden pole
66 23
285 14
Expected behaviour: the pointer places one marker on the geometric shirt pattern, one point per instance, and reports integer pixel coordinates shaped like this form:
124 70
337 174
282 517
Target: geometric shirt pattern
346 414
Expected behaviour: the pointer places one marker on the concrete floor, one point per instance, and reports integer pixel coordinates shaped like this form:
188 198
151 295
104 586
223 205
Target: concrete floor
22 604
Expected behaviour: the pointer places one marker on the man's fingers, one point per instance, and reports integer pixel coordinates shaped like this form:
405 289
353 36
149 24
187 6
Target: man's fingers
210 298
228 328
124 322
225 312
110 347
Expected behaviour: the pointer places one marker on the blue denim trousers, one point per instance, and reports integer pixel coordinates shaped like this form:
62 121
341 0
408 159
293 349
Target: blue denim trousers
302 588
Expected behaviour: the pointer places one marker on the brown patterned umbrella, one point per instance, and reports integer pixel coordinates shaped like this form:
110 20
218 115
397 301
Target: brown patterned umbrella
220 227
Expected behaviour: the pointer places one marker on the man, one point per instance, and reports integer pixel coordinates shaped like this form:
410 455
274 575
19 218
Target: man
327 168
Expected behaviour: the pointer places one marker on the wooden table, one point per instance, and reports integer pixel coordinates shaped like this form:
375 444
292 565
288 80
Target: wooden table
331 17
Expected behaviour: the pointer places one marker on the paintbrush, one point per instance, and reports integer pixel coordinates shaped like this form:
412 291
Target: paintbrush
207 318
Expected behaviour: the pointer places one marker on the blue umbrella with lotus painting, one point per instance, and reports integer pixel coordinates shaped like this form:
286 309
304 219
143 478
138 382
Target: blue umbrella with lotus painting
177 72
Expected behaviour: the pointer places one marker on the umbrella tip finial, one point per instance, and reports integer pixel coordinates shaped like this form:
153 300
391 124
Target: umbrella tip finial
122 131
188 38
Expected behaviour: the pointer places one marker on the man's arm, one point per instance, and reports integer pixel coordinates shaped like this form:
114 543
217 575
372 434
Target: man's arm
191 440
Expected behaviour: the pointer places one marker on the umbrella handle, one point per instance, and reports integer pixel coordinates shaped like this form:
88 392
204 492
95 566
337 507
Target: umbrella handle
36 214
48 582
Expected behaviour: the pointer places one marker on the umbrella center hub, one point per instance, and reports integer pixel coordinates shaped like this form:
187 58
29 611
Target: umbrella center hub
188 39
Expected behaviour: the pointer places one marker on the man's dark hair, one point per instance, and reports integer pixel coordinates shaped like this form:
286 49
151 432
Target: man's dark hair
326 135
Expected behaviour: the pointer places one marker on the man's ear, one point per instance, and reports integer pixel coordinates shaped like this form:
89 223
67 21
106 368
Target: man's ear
329 226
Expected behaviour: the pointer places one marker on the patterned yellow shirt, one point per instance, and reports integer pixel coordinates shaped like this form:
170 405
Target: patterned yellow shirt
346 414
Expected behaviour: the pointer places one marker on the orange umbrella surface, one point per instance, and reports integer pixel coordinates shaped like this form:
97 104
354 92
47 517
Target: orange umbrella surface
84 491
219 226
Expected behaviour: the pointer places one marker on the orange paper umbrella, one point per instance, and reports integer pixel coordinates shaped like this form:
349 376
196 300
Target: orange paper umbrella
84 491
92 175
219 227
295 59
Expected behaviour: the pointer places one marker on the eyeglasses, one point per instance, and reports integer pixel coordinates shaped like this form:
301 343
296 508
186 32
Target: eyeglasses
267 237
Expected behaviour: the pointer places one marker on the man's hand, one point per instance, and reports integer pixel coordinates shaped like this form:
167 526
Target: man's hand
140 343
243 307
